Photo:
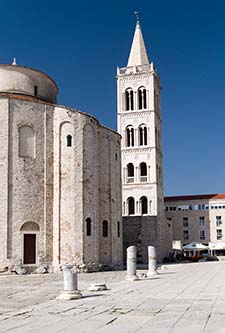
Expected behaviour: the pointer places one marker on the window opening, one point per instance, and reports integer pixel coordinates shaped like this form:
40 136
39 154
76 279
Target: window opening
144 205
69 140
88 226
131 206
118 228
35 90
105 228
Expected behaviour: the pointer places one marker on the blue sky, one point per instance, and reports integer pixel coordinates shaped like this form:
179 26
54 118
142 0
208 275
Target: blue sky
80 43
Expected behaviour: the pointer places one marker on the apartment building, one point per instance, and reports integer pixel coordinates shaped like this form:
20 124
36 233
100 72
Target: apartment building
197 218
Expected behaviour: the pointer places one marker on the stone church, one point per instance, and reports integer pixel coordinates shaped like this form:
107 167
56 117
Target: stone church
60 193
139 123
61 197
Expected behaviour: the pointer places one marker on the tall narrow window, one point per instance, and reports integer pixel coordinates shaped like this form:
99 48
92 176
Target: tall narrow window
35 90
130 202
142 135
129 100
88 226
218 220
105 228
219 234
130 173
139 99
145 135
185 234
69 140
118 228
143 172
142 98
202 235
129 136
185 222
144 205
202 220
26 141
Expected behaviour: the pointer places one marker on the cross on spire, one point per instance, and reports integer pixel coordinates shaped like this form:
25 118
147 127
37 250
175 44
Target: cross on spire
138 55
137 14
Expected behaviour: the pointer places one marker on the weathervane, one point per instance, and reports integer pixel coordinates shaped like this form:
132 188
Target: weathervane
136 13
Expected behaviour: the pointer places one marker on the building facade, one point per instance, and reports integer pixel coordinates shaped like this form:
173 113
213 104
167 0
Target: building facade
60 194
139 123
197 218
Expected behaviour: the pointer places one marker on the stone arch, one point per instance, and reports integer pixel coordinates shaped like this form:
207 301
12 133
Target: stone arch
66 134
30 226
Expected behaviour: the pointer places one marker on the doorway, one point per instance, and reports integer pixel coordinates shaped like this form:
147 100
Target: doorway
29 249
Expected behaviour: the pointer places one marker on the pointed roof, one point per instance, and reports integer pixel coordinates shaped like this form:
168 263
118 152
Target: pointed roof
138 54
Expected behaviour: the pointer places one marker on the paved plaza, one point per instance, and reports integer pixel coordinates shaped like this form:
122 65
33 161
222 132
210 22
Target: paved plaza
183 298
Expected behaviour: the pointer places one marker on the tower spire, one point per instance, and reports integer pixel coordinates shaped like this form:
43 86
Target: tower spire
138 54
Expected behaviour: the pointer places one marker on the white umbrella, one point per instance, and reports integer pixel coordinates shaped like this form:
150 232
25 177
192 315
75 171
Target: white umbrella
195 246
216 246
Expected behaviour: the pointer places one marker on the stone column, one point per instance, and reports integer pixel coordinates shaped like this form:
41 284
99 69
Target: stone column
131 263
151 261
70 284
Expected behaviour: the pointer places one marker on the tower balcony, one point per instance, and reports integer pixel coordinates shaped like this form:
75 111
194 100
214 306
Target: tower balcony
135 69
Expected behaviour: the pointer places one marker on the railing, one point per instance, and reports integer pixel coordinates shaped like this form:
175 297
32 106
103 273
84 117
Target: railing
134 69
143 178
130 179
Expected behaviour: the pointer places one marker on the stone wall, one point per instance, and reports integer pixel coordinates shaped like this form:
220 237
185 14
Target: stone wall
143 231
55 186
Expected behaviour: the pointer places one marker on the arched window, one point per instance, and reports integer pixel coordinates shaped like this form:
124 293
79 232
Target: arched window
26 141
143 172
130 173
129 136
129 99
144 205
118 228
105 228
142 98
131 209
88 226
69 140
142 135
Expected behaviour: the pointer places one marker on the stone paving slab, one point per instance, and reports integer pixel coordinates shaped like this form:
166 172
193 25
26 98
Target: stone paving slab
184 298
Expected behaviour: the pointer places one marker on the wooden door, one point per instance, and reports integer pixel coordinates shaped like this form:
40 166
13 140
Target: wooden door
29 249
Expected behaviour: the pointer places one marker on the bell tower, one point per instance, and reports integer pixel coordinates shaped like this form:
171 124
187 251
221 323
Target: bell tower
139 123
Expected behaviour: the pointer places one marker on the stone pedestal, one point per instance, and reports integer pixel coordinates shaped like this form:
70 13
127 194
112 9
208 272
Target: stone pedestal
131 263
151 261
70 284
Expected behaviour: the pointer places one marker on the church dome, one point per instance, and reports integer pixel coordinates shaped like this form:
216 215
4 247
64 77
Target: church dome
27 81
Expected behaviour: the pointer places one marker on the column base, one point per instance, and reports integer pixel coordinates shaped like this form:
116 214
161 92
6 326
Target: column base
69 295
132 278
151 273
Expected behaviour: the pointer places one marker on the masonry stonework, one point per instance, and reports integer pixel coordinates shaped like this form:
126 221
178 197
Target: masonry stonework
60 179
140 125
